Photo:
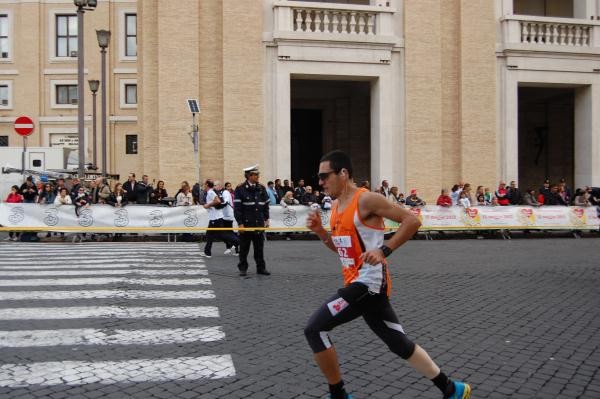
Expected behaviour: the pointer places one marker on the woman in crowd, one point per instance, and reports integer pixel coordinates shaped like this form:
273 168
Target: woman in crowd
82 199
118 198
480 196
463 200
159 193
184 198
582 198
14 198
393 197
63 198
48 195
288 199
529 198
444 199
487 196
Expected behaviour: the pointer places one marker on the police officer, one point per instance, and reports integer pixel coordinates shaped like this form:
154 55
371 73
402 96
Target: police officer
251 209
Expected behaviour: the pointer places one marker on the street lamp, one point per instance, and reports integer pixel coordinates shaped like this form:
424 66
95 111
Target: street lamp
82 7
94 84
103 41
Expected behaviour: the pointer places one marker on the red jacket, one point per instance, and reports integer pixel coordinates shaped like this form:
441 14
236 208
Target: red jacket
14 198
501 194
444 200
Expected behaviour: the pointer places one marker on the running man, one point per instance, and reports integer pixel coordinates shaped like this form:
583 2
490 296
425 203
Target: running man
357 235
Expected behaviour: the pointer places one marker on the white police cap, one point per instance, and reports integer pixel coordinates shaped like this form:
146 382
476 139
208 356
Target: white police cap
251 169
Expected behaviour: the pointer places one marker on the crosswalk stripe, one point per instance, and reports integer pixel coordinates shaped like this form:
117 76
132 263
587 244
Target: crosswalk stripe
116 312
83 261
101 281
111 372
106 272
90 336
105 294
100 267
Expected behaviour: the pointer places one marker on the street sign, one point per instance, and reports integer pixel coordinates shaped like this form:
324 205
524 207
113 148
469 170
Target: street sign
24 126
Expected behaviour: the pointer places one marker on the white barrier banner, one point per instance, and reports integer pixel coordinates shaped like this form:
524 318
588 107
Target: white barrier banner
187 218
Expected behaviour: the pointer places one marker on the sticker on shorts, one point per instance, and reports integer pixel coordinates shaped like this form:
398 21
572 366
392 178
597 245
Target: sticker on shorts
337 305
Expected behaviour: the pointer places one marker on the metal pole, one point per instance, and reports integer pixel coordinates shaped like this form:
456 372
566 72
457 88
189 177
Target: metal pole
197 148
80 91
94 129
23 155
103 88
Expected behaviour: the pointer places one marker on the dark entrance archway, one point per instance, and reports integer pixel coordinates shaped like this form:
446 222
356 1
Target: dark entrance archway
327 115
546 135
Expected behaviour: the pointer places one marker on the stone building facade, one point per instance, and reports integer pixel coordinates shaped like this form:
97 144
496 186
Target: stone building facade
423 93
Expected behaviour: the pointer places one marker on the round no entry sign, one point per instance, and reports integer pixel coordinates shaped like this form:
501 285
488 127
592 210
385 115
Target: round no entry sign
24 125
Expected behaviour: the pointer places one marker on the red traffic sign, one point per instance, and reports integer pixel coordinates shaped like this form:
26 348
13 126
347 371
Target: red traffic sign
24 125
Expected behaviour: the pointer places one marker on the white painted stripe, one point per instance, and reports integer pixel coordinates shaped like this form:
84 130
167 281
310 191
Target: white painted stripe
140 370
74 263
101 281
115 312
106 294
100 267
23 125
89 336
105 272
325 339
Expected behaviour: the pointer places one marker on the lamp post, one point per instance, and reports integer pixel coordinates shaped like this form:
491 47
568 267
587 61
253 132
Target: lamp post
82 7
94 84
103 41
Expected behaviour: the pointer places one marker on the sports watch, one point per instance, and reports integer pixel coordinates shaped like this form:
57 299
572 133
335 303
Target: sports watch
387 251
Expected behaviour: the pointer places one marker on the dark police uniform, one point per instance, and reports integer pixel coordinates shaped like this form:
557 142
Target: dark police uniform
251 209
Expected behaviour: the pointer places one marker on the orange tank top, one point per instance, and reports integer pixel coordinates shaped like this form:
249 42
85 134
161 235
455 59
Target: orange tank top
352 237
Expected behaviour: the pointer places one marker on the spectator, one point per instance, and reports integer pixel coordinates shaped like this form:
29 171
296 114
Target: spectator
594 195
385 188
502 194
565 191
444 199
75 184
554 197
582 197
544 191
455 194
365 184
299 190
160 192
279 190
82 199
214 206
288 199
184 197
28 191
529 198
393 196
308 198
143 189
326 202
401 199
228 218
48 195
319 195
60 183
100 192
39 188
272 193
130 188
494 201
14 197
63 198
480 196
463 200
513 194
118 198
563 194
286 187
487 196
413 200
467 190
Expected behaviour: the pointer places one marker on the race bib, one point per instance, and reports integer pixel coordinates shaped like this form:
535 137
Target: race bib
344 249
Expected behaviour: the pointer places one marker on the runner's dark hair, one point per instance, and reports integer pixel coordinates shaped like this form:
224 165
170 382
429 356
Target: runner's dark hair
338 160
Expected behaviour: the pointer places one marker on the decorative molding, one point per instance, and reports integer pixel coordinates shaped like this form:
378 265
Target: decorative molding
123 118
63 71
125 70
9 71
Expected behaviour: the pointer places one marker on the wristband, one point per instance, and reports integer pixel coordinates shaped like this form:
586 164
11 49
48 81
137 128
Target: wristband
387 251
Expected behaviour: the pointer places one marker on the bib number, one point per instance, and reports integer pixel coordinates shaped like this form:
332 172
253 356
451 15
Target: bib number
344 249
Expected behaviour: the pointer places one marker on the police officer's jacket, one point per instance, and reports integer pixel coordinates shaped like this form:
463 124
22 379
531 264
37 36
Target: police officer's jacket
251 205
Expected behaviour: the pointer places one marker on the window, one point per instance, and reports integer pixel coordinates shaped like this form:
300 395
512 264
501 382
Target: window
4 94
66 94
4 44
3 141
544 8
130 35
131 144
131 94
66 35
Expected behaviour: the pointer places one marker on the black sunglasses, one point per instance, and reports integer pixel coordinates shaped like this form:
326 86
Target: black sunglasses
324 175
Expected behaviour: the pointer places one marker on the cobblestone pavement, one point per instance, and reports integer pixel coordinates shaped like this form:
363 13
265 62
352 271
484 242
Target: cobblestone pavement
516 318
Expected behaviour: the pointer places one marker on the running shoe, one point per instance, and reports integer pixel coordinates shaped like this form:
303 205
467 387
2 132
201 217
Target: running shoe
227 251
203 255
462 390
348 396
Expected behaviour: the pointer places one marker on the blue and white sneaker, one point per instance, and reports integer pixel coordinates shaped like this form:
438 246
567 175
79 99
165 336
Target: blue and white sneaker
462 390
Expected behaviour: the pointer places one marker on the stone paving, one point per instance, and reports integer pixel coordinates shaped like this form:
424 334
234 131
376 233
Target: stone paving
516 318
